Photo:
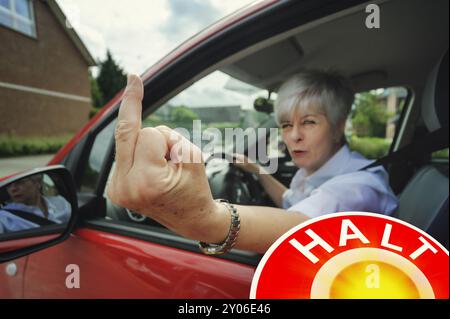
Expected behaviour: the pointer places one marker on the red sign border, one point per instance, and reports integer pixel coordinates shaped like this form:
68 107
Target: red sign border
296 228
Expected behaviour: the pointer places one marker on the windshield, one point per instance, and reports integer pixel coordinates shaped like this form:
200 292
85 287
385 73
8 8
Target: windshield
214 105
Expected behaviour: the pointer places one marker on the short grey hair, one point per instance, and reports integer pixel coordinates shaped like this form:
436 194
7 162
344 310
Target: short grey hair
325 90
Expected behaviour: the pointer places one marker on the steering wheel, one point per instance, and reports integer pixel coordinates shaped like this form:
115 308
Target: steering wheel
234 184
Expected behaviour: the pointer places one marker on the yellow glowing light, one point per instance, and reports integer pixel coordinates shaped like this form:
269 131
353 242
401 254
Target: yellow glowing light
374 280
370 273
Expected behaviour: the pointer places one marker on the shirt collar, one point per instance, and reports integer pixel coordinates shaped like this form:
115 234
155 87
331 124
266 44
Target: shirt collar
33 209
19 206
333 167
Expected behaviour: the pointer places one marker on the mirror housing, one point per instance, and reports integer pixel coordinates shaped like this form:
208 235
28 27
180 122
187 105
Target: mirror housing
27 224
264 105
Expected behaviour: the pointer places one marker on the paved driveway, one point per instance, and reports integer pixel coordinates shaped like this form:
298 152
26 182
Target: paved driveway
12 165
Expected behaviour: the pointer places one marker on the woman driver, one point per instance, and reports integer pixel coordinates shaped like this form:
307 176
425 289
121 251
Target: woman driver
27 196
311 109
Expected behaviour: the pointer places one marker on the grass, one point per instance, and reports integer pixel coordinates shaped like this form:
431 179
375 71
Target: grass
370 147
373 147
20 146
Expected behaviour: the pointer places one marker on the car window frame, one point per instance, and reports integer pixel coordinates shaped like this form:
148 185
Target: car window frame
152 101
178 75
403 121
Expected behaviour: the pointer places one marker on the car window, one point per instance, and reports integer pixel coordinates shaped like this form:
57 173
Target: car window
97 157
441 155
213 104
219 102
374 119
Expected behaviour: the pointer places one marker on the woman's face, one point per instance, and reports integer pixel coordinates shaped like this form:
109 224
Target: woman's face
25 191
310 139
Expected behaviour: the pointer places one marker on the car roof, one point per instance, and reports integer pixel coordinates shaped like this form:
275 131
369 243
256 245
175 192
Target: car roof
411 38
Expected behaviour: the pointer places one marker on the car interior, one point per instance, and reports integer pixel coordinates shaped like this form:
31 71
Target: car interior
410 49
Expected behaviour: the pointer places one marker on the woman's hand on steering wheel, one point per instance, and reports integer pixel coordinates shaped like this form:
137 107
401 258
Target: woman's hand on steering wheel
244 163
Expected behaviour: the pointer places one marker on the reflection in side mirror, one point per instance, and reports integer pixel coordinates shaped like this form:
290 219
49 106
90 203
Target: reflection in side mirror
36 210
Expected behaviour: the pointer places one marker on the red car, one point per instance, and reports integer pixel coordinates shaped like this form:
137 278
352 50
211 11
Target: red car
106 251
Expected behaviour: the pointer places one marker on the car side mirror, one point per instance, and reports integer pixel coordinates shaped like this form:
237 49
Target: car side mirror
38 209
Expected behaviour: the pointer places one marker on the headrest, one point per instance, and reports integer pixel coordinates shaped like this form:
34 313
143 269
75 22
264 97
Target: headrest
435 98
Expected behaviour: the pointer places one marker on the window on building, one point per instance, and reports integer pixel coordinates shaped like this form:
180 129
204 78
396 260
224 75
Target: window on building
18 15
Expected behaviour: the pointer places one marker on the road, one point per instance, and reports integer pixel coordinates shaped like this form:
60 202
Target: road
12 165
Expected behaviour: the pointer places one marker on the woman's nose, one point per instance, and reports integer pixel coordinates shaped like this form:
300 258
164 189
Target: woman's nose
296 134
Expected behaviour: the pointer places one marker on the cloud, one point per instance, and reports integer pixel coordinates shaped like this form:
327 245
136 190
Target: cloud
188 17
140 32
213 90
128 30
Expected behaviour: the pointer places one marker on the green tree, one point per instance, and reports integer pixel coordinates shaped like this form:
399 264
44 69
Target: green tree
111 78
369 116
183 115
96 94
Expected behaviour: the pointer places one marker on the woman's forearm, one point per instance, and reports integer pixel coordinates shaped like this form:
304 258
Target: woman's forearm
273 188
260 226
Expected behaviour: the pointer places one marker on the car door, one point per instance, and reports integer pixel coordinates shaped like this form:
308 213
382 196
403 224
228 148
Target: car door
12 276
114 257
101 264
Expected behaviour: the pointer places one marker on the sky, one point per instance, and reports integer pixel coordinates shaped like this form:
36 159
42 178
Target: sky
140 32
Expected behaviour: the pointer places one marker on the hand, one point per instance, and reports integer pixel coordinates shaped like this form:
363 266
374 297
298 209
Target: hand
158 172
245 164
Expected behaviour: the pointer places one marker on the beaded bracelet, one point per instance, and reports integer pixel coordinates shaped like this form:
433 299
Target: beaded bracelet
230 241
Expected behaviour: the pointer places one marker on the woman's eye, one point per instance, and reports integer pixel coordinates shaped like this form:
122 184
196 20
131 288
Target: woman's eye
285 125
308 122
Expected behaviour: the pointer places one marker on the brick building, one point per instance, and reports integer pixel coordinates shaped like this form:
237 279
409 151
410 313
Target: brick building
44 84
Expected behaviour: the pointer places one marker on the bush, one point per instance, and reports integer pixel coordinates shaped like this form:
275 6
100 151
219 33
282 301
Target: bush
19 146
370 147
93 112
374 147
369 116
442 154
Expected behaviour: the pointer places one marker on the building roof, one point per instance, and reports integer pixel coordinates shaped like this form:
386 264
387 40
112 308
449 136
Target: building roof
61 17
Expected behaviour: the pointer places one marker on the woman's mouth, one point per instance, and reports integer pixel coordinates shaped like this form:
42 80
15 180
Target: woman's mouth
298 153
16 196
